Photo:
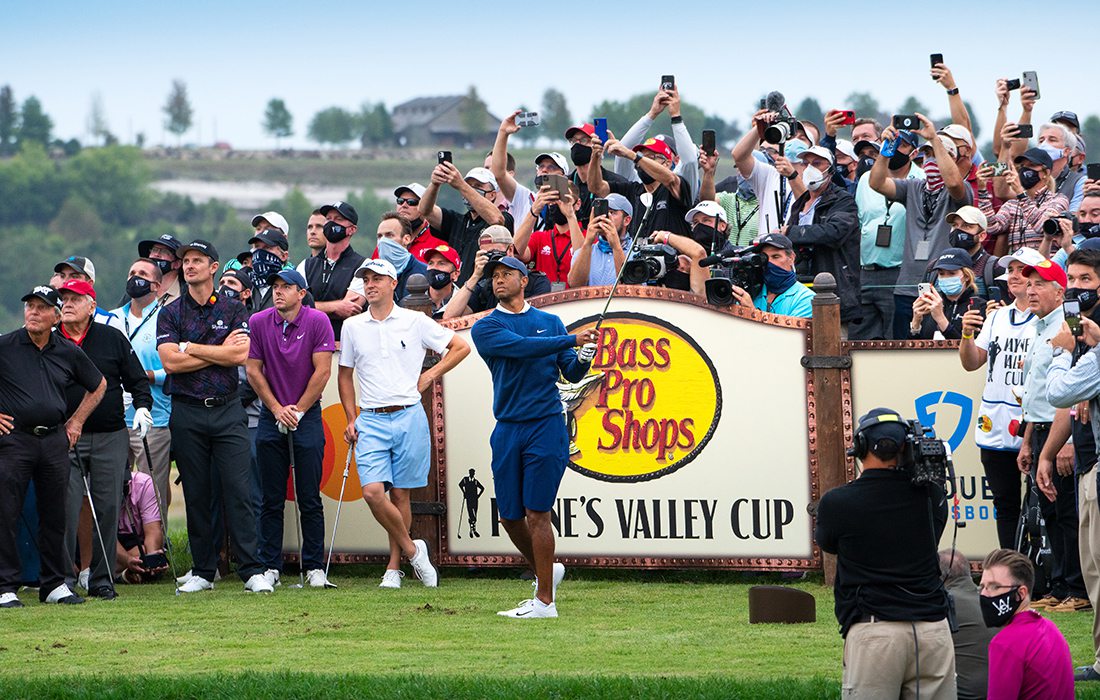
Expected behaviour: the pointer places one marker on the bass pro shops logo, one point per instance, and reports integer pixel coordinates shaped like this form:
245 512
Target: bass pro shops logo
649 404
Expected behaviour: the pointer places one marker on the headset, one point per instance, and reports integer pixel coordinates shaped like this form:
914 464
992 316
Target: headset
885 447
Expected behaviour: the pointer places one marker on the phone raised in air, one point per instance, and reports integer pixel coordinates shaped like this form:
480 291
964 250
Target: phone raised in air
849 117
906 122
708 141
935 59
668 82
599 207
1092 171
527 119
1030 80
443 157
599 125
1025 131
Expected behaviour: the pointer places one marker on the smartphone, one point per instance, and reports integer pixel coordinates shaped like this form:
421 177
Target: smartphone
975 304
559 183
668 82
849 117
527 119
599 207
541 181
1072 310
1030 80
999 168
155 560
935 59
443 157
708 141
763 103
923 288
599 124
1025 131
994 294
906 122
1092 171
1012 83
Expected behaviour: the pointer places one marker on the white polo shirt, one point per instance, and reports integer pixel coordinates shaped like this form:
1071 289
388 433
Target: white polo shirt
388 354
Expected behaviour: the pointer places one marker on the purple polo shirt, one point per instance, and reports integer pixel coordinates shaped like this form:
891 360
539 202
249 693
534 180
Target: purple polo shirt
287 349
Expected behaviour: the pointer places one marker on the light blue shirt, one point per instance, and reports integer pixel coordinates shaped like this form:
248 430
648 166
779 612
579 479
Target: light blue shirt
1036 404
1061 257
601 268
797 301
872 213
144 343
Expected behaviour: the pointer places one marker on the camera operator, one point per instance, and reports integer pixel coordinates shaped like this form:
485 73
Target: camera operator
671 192
782 293
927 203
476 294
735 196
776 183
601 255
824 219
890 601
940 309
688 275
972 637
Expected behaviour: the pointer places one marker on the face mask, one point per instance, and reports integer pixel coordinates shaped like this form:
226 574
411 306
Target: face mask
264 265
229 293
961 239
898 161
438 279
950 285
1029 178
393 252
417 224
580 154
603 245
334 232
778 279
1086 297
137 287
557 215
933 181
998 610
165 266
744 189
645 177
813 178
705 235
865 164
1054 153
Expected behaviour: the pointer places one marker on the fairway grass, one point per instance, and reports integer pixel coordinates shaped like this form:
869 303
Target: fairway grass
643 634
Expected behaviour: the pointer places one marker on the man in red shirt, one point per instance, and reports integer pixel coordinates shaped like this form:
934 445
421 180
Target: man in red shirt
551 249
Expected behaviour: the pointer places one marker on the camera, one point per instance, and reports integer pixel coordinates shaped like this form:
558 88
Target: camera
924 457
1052 228
1012 83
492 256
804 263
154 560
781 130
650 264
743 267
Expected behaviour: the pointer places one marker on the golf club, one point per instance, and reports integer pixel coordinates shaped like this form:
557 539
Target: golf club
164 511
647 199
339 503
297 512
108 561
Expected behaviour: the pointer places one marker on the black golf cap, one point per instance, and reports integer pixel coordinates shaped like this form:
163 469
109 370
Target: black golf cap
205 247
1037 156
46 294
953 259
346 210
167 240
271 236
774 240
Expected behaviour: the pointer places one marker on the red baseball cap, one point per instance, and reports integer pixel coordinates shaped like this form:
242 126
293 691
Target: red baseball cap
657 146
1049 271
77 287
586 128
447 252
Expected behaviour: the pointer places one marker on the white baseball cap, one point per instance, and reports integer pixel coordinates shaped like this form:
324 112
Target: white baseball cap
274 218
817 151
483 175
959 132
559 160
970 215
707 207
382 267
414 187
845 146
1024 255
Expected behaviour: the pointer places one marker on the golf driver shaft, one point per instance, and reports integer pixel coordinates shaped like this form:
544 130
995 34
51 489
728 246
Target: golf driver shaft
339 503
108 560
297 510
626 258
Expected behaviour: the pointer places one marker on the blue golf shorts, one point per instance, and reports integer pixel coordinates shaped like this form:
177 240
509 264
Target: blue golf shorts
529 460
393 448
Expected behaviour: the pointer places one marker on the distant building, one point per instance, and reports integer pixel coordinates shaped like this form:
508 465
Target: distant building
437 121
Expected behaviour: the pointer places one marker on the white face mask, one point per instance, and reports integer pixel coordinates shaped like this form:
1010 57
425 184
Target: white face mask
813 178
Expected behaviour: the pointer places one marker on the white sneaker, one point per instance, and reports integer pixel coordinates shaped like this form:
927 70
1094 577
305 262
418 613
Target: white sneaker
258 583
529 609
316 578
82 578
196 584
559 574
422 565
62 594
272 577
10 600
392 578
190 573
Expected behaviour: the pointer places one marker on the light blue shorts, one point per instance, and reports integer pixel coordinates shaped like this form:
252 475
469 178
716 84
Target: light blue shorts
393 448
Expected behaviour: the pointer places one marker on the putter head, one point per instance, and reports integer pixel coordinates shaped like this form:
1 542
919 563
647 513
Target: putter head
177 591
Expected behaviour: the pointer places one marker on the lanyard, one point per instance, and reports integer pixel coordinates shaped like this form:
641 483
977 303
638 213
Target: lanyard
126 319
554 249
741 224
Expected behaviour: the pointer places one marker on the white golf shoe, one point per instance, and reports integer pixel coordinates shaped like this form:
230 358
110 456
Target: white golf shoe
530 609
258 583
392 578
422 565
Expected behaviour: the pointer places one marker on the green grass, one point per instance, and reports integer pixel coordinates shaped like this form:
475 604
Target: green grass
621 634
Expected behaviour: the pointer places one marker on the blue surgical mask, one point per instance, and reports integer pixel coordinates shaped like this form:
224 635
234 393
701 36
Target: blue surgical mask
265 264
778 279
393 252
950 286
1053 152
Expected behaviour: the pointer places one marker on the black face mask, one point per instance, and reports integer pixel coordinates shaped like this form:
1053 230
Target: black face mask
998 610
416 225
898 160
645 177
439 279
961 239
705 235
580 154
165 266
865 164
557 215
229 293
1086 297
136 287
1029 178
1090 230
334 232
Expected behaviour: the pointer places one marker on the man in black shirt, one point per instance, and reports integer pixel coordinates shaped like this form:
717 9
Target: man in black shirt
330 274
461 231
671 192
584 151
890 601
36 366
103 448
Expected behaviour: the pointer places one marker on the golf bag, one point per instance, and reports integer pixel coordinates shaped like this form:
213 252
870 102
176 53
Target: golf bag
1032 540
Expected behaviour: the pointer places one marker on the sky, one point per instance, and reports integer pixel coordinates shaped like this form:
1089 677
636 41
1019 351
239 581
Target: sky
236 56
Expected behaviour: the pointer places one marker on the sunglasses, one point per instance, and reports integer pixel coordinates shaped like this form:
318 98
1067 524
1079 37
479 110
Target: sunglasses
485 193
407 200
1071 116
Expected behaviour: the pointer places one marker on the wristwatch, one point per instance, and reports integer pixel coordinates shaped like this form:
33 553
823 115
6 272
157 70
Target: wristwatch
953 91
1058 351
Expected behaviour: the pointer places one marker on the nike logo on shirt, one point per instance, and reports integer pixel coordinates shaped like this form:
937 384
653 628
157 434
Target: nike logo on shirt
541 330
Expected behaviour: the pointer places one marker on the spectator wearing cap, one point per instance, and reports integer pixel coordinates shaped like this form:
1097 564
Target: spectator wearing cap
685 154
289 362
315 238
846 161
268 221
162 251
137 319
76 267
1060 143
586 154
1019 221
203 338
140 530
407 199
270 253
237 285
520 199
927 203
735 196
394 236
39 370
602 254
782 293
549 242
443 266
329 275
383 349
938 312
476 294
671 193
101 451
823 225
968 231
461 231
775 181
882 225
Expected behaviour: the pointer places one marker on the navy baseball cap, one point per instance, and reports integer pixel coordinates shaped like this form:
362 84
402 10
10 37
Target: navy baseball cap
909 137
953 259
290 277
507 261
167 240
1037 156
271 236
241 275
344 209
205 247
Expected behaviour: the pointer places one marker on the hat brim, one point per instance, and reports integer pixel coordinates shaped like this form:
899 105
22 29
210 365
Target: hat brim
184 249
282 275
43 298
489 267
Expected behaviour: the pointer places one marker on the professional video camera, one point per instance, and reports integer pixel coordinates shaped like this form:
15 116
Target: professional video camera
650 263
804 263
783 128
743 267
925 457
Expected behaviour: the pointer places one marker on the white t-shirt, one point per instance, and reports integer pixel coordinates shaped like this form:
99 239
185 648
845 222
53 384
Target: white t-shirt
388 355
1005 336
765 181
521 203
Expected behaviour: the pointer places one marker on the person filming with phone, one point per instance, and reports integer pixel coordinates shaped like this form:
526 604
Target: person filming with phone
938 311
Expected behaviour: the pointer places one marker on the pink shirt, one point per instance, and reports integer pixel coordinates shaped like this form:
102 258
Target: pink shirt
143 505
1029 659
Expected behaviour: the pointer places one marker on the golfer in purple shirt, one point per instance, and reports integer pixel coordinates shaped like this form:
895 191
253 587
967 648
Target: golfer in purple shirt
288 366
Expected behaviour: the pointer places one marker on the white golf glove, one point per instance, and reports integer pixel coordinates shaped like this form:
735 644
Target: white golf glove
143 420
587 352
281 427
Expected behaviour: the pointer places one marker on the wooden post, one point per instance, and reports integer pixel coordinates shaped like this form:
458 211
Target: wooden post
827 365
426 507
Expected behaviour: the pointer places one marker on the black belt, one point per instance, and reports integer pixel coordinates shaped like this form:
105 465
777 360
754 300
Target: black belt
38 431
876 267
386 409
871 618
208 402
1040 427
